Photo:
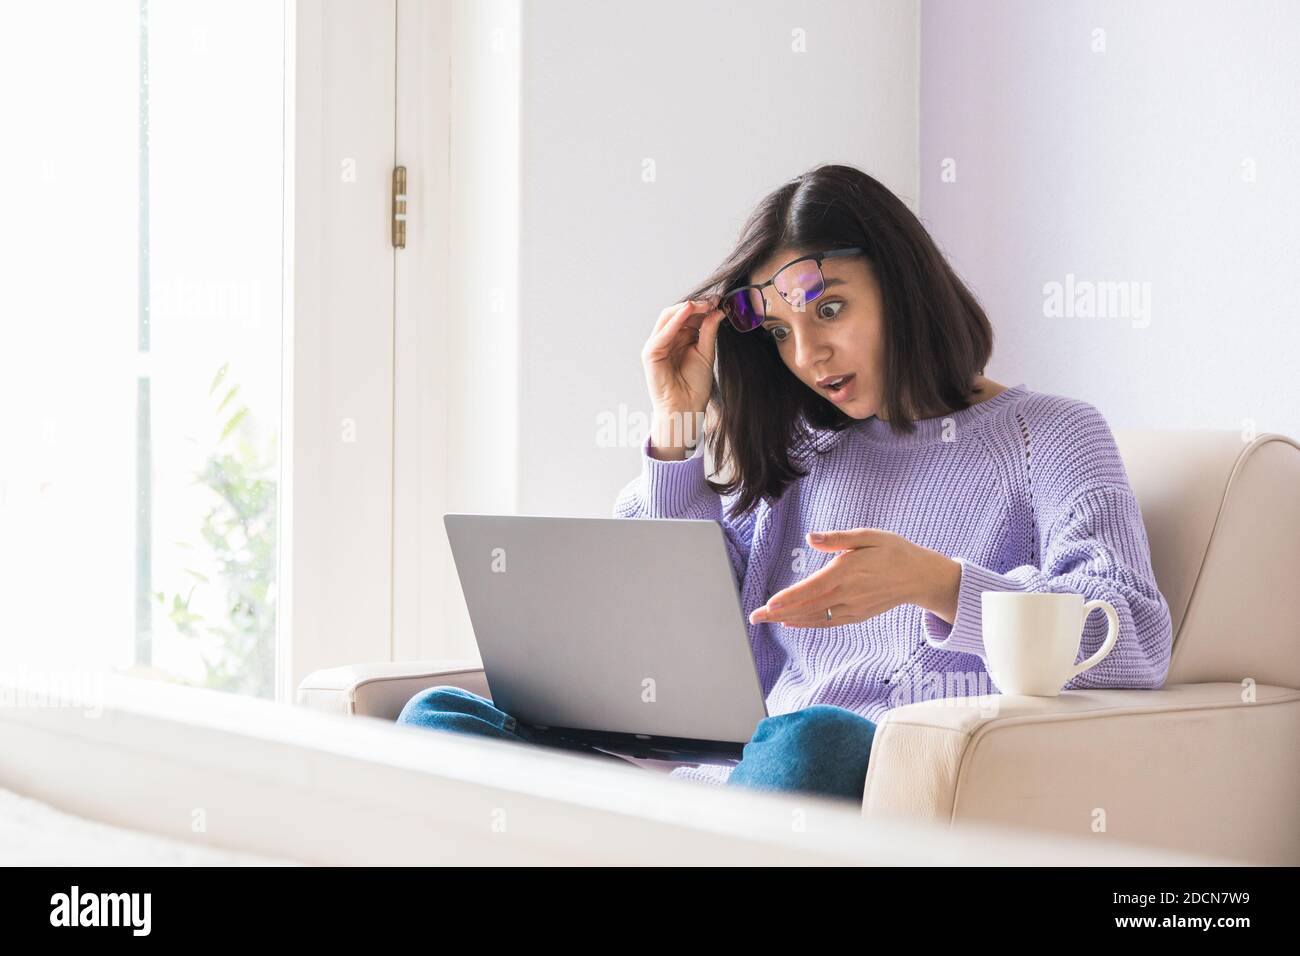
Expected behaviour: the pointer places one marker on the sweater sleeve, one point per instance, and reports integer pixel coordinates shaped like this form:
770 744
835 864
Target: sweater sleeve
716 774
678 489
1096 546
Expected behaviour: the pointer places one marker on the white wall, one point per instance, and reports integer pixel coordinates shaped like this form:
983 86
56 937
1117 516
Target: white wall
557 107
715 96
1123 164
1130 163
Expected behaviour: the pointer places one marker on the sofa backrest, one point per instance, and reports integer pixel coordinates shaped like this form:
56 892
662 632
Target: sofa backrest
1223 520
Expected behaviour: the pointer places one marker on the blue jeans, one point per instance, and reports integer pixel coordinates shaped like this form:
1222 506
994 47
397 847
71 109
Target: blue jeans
821 749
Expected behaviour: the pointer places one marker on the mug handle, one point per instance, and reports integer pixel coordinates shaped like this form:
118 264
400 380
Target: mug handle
1112 634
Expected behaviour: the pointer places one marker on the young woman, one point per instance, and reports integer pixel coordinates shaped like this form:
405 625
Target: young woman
878 483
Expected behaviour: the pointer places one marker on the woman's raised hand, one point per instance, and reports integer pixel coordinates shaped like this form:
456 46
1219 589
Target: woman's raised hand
678 357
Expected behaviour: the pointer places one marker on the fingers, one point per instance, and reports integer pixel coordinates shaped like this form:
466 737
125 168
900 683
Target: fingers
668 314
797 603
840 614
675 311
845 540
668 335
686 319
822 583
705 334
852 613
709 330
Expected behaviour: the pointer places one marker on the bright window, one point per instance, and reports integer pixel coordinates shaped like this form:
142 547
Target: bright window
140 366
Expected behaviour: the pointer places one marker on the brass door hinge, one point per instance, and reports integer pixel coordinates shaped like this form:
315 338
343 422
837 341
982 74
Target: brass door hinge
399 207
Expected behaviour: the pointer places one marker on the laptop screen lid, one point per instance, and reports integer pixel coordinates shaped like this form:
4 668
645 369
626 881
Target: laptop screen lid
610 625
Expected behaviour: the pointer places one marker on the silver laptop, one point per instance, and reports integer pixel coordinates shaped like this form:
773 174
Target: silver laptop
623 633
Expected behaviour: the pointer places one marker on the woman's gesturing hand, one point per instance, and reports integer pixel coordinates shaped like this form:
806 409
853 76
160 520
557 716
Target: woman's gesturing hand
875 571
678 357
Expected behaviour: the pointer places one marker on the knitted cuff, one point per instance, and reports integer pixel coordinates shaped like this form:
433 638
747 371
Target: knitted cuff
965 634
673 488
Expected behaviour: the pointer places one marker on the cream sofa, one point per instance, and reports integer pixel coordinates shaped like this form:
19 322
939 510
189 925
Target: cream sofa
1208 764
144 773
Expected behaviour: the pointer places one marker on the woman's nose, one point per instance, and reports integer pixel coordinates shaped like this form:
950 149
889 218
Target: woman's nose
808 349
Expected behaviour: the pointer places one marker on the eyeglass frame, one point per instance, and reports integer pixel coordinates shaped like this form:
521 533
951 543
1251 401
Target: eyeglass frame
818 257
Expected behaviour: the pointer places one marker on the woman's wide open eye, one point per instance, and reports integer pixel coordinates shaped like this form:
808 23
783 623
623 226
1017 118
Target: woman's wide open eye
830 302
779 333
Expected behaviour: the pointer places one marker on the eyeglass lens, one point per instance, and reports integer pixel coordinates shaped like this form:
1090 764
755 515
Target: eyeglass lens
798 283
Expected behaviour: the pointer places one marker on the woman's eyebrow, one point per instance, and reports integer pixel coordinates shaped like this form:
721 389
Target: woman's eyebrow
828 283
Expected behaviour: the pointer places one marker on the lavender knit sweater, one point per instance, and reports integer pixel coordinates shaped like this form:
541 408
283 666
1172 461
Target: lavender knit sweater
1026 490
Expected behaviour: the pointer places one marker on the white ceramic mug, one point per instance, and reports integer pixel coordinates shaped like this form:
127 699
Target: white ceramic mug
1031 639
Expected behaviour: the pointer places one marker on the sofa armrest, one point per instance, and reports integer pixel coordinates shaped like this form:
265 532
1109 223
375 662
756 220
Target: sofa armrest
382 689
1205 767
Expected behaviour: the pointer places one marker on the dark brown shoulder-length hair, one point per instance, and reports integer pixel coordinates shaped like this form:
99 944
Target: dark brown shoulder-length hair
936 335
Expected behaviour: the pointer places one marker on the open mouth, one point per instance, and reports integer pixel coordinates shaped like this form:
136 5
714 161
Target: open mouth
833 386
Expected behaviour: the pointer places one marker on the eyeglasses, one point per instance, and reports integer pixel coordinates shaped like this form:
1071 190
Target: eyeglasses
799 282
